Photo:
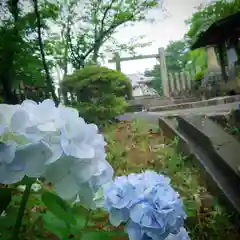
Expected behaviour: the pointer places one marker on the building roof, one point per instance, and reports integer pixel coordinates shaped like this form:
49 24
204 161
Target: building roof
219 31
138 78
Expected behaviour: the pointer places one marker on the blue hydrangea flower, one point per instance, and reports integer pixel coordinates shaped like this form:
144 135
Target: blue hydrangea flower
148 204
158 211
118 197
182 235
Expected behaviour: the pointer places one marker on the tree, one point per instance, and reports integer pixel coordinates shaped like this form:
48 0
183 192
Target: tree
30 47
176 55
100 92
99 21
40 42
20 55
156 82
9 37
208 14
196 59
175 61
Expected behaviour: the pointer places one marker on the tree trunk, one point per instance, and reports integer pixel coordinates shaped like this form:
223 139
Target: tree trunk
65 71
96 52
8 58
48 78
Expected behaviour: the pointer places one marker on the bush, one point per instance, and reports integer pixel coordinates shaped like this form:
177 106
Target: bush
199 76
100 92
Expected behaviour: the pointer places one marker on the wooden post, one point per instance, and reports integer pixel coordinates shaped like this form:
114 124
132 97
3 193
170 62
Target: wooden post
117 61
163 69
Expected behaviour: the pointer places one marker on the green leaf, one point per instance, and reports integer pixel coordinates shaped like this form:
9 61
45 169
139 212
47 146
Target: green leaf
55 225
6 197
58 207
26 181
191 207
95 236
6 225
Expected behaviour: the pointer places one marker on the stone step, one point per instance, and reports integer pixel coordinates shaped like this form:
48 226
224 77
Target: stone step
214 151
209 102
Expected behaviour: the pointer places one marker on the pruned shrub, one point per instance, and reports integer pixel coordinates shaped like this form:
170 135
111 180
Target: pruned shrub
98 93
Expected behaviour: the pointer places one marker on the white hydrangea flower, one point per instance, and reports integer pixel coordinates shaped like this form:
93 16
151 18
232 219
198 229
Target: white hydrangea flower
42 140
16 161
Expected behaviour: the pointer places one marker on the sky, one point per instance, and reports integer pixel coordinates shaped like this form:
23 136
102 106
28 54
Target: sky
167 27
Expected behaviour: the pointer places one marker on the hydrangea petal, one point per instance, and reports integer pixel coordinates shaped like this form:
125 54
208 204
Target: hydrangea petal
117 216
19 125
66 188
6 113
134 231
86 195
35 155
7 152
8 176
78 150
182 235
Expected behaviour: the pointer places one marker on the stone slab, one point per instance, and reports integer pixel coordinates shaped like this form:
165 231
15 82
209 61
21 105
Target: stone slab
224 147
218 182
204 103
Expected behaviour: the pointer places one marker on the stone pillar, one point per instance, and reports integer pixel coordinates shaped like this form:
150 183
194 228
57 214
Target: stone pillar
183 80
213 65
189 80
117 61
163 72
222 61
171 83
177 81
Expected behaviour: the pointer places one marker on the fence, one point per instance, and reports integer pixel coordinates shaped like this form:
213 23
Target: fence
182 84
23 91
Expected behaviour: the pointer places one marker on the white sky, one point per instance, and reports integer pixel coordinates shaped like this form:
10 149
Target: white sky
160 33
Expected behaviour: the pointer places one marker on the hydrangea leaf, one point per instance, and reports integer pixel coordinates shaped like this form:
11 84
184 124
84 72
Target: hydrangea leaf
58 207
5 196
95 236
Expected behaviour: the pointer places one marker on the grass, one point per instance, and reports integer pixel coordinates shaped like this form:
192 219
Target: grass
136 146
229 123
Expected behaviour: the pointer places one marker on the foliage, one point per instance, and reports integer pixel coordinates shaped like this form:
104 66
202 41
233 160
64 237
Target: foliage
31 209
176 56
65 157
176 60
20 55
197 59
49 153
100 92
199 76
180 57
37 39
208 14
156 82
136 146
98 22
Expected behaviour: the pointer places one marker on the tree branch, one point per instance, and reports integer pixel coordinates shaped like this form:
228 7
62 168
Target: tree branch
40 42
105 14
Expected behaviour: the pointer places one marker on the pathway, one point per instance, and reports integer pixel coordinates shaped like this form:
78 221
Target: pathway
220 109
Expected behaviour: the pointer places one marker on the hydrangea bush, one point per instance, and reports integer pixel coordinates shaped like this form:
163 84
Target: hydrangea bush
55 147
